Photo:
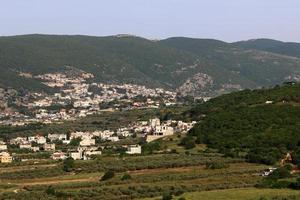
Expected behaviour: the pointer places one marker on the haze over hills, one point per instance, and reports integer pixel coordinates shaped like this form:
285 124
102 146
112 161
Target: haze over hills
191 66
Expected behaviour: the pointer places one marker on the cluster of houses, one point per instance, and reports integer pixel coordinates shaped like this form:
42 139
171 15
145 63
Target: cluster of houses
87 147
79 97
155 129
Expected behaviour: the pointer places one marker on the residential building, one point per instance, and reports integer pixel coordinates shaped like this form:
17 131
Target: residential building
25 146
40 139
87 142
35 149
58 156
53 137
3 146
76 155
87 154
134 149
49 147
5 157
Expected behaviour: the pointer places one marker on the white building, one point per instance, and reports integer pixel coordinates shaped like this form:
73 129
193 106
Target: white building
113 139
134 149
87 142
18 140
163 130
5 157
35 149
40 139
154 122
66 141
3 146
87 154
58 156
25 146
49 147
76 155
54 137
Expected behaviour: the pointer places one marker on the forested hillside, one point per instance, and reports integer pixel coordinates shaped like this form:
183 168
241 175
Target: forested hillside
263 123
190 66
275 46
261 68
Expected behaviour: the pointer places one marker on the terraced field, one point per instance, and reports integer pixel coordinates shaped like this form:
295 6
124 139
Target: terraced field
150 176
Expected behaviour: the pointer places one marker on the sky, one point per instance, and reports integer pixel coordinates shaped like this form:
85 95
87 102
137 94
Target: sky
227 20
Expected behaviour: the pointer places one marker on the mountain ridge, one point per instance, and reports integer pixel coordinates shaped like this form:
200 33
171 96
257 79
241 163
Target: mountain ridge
204 67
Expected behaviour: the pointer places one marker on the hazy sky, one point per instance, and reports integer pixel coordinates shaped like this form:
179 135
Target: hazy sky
228 20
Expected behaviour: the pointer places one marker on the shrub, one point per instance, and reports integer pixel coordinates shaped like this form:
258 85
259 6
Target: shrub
108 175
167 196
50 190
68 164
174 151
295 185
216 165
188 142
279 173
126 177
281 184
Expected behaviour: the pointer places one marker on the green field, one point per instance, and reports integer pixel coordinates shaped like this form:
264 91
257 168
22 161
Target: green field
150 176
239 194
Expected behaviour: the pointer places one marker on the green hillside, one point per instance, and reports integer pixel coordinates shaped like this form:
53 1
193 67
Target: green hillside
192 66
243 122
110 59
245 65
284 48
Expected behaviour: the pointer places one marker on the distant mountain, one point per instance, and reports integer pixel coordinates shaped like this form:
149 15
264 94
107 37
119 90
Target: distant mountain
244 67
190 66
275 46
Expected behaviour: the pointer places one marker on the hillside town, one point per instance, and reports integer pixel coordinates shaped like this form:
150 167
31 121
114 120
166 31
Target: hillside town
75 95
83 145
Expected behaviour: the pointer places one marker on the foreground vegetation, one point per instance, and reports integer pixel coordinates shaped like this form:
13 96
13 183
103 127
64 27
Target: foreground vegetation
238 194
138 184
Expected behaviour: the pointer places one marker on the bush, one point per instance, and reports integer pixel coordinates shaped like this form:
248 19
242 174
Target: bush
50 190
167 197
216 165
68 164
126 177
295 185
282 172
174 151
188 142
281 184
75 142
108 175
